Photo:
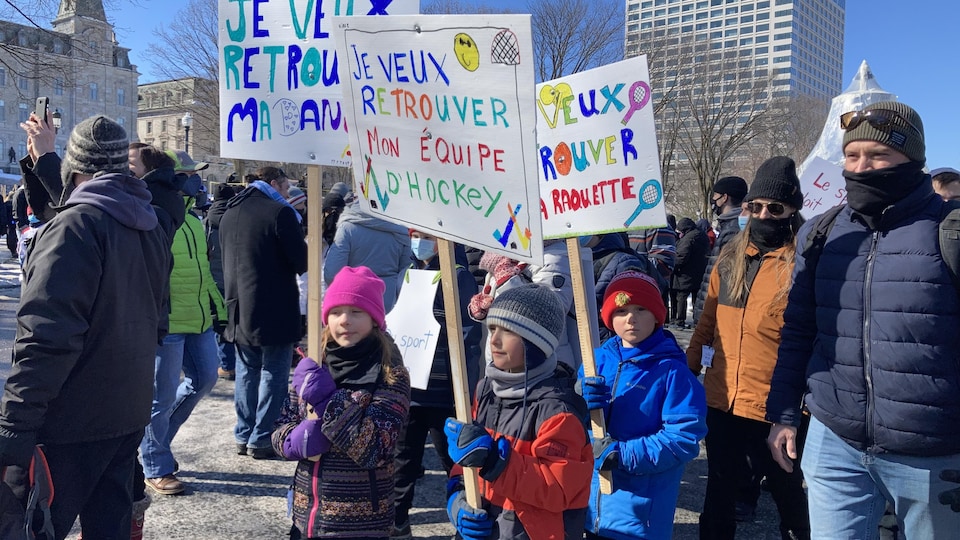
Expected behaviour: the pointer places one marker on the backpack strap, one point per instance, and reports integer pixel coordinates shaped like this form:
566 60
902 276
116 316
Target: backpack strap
817 238
949 237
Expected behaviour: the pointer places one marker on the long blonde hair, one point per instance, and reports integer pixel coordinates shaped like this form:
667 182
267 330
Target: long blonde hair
386 351
733 261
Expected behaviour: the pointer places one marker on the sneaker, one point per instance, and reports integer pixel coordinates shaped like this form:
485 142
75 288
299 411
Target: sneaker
401 532
228 374
165 485
241 449
262 453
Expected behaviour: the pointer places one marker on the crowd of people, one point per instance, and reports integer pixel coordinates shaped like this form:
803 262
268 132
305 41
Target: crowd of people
823 362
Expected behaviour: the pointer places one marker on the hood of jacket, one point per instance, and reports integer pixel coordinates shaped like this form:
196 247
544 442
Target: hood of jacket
215 213
123 197
354 214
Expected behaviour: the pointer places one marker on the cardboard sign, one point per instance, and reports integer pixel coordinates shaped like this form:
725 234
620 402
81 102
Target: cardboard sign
279 84
823 187
412 325
442 126
599 166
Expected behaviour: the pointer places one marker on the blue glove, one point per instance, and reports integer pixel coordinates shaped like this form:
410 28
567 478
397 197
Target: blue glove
472 524
595 392
951 497
470 445
606 454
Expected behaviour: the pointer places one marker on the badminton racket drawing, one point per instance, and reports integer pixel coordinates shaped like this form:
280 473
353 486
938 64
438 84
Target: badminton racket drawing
639 97
650 195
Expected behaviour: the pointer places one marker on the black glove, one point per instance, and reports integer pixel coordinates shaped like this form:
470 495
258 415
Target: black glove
951 497
219 326
16 447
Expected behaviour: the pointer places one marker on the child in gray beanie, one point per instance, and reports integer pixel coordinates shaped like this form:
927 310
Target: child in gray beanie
524 407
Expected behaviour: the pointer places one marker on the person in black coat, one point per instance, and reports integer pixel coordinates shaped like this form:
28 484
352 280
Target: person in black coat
263 251
692 249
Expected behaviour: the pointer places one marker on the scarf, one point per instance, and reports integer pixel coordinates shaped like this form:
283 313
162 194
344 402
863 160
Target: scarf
869 193
268 190
514 385
770 234
359 365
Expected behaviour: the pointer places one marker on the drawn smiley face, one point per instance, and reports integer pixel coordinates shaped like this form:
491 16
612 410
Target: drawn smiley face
466 51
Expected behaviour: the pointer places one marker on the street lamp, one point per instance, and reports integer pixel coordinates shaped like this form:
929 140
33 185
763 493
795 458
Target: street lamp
57 119
187 122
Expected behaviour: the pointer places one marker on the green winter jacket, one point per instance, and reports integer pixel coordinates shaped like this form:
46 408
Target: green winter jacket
195 301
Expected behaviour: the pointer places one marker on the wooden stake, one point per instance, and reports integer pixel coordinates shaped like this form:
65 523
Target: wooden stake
586 346
458 363
314 257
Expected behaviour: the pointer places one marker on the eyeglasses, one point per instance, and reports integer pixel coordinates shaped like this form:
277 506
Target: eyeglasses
776 209
878 118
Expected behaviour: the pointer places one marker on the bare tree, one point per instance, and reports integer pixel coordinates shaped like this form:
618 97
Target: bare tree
794 125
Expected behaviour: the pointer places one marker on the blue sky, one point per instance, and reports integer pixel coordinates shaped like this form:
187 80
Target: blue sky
910 46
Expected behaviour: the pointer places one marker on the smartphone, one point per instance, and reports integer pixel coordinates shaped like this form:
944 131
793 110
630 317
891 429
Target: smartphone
43 103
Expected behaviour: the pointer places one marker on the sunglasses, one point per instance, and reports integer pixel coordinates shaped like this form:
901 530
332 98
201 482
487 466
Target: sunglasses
776 209
878 118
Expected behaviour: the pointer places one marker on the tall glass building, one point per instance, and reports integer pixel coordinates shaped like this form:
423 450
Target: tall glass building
795 45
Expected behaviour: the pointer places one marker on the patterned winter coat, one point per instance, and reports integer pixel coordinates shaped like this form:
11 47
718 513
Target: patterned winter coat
348 492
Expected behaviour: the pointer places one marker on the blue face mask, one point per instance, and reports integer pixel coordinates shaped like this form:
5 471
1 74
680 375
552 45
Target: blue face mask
423 249
742 221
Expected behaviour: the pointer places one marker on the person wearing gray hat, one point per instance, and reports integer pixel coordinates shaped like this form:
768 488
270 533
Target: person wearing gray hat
528 418
87 329
870 345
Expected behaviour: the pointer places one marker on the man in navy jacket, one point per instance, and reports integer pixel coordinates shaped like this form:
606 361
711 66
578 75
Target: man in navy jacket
870 344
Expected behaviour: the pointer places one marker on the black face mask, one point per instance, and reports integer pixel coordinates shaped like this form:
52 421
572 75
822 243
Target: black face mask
717 209
870 192
770 234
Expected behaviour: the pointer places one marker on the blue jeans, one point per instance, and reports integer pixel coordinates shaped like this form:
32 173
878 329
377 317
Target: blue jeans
847 489
173 400
263 374
228 354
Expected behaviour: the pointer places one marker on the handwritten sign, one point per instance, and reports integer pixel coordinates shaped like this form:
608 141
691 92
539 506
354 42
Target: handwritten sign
412 325
823 187
280 97
442 126
599 167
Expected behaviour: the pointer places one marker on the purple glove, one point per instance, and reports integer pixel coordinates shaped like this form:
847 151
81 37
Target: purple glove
305 441
313 384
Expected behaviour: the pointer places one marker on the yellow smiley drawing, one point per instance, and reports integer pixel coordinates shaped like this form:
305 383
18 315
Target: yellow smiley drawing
465 49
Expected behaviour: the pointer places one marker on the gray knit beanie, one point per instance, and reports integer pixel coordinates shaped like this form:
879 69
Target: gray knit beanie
903 133
532 311
96 146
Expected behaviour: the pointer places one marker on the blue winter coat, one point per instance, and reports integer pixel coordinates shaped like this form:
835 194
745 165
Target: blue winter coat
871 335
658 415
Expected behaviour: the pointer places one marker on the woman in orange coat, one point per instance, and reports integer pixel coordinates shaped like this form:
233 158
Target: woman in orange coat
736 340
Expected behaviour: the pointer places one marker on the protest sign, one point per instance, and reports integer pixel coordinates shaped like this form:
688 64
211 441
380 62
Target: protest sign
442 126
412 325
823 187
280 97
598 164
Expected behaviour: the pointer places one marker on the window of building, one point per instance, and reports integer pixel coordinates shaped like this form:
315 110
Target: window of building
23 83
3 112
763 16
763 39
163 146
763 27
673 20
782 36
660 12
673 10
762 50
122 121
731 11
780 48
149 127
94 91
746 41
763 5
730 32
163 126
746 19
58 86
24 112
784 2
121 97
746 7
3 77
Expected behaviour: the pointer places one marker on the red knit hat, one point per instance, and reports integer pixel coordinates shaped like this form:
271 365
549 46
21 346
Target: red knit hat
356 287
632 287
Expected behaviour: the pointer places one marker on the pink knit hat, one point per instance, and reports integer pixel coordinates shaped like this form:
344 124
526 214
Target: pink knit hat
356 287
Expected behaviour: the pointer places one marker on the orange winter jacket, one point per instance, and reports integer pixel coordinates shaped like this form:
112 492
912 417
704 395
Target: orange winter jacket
745 336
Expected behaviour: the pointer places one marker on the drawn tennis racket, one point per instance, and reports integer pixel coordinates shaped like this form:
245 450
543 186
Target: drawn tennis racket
650 196
639 97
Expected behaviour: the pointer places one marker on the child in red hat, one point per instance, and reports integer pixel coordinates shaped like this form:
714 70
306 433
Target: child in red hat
655 412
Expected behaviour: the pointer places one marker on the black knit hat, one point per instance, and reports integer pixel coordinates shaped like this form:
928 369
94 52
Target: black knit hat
777 179
96 145
532 311
903 133
734 186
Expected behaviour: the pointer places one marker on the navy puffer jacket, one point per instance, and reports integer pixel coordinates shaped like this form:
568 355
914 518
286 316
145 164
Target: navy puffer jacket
871 335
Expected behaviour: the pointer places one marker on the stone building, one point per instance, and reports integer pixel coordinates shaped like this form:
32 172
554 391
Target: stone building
79 65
